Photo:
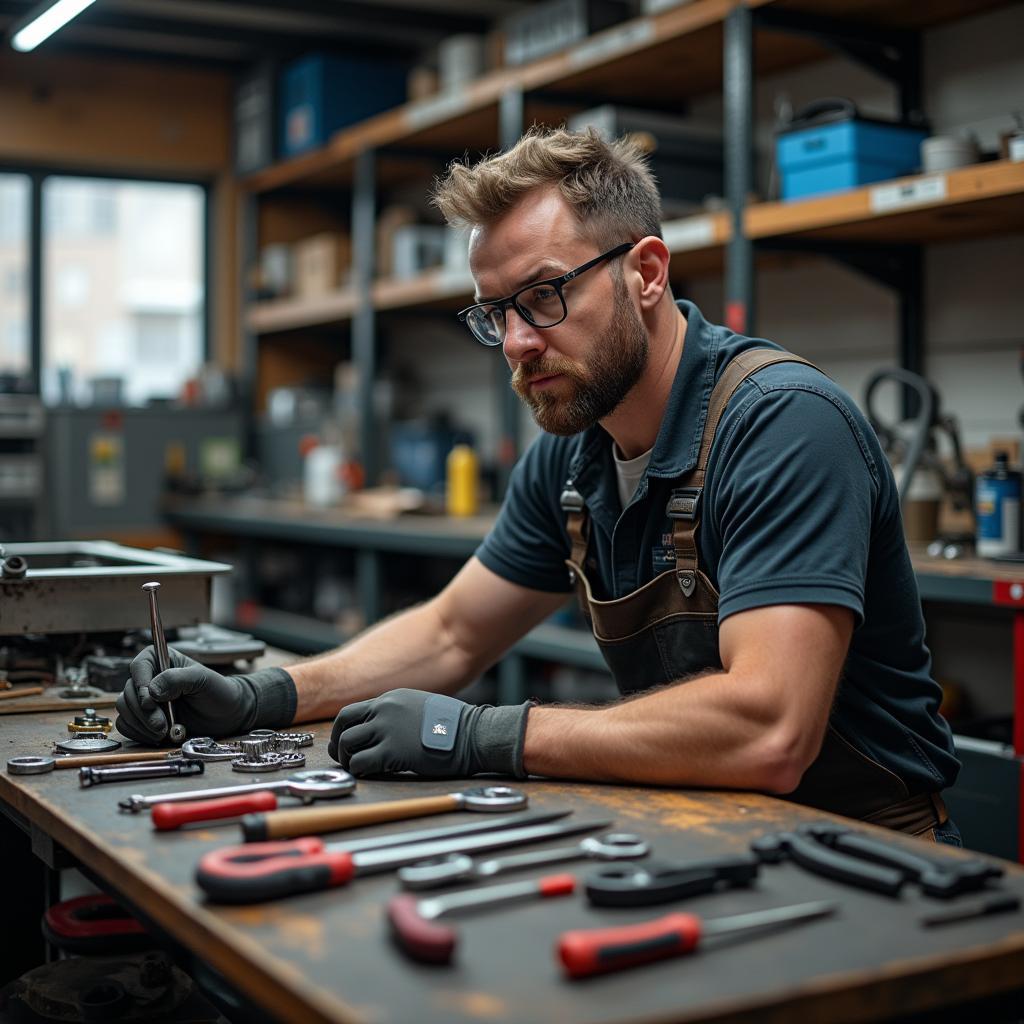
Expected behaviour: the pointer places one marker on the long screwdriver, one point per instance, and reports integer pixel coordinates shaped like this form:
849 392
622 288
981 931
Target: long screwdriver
587 951
253 872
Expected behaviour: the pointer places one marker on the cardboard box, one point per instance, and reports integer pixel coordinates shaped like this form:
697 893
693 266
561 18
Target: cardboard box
321 263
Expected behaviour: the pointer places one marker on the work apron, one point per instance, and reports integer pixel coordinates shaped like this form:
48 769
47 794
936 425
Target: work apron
667 631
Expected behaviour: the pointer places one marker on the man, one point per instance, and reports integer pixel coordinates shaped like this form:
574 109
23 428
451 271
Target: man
722 509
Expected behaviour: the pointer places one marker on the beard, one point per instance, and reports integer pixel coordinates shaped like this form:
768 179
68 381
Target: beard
598 384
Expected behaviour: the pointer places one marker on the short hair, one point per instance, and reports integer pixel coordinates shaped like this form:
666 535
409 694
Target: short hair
608 185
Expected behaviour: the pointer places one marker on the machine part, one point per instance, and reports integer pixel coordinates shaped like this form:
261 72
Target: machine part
269 762
98 580
313 821
175 730
89 722
303 739
205 748
648 884
87 745
29 765
285 745
106 672
996 903
588 951
142 770
217 647
413 924
252 746
315 784
819 859
457 867
940 878
266 871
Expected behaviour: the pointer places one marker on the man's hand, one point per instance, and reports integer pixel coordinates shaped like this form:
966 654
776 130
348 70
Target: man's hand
430 734
206 703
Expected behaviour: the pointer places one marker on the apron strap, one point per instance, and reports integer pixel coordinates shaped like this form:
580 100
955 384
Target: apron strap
577 524
684 503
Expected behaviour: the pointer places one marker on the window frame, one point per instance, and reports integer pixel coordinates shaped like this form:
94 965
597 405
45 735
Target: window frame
37 175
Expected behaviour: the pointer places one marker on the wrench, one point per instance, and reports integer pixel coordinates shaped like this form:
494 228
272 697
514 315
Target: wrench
307 786
176 731
457 867
308 821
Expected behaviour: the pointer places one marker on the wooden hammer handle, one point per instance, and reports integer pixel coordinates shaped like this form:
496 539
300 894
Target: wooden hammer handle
87 760
307 821
24 691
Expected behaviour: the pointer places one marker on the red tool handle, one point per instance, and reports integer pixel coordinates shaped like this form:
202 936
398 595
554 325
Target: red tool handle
253 872
174 815
596 950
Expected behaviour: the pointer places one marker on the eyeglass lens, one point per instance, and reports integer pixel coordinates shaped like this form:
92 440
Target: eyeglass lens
542 306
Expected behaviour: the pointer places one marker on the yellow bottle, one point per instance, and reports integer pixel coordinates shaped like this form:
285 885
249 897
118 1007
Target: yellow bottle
463 491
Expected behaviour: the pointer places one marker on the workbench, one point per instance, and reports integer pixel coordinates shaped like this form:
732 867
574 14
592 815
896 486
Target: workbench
326 956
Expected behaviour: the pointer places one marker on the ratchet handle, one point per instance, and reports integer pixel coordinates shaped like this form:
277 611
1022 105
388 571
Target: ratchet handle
167 816
588 951
265 871
305 821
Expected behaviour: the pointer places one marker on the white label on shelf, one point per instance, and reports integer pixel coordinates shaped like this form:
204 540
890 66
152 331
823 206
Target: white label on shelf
438 108
635 33
910 193
690 233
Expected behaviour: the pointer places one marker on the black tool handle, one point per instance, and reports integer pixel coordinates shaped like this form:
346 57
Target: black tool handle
820 860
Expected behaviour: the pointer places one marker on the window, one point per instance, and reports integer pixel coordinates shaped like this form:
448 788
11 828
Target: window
15 198
123 286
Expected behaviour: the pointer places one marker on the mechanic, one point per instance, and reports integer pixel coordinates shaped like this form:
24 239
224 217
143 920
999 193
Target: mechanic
722 510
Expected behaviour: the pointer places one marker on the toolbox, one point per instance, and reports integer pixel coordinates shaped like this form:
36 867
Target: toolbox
320 94
828 147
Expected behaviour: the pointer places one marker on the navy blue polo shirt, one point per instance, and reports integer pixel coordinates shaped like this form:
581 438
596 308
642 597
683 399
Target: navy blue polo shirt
799 507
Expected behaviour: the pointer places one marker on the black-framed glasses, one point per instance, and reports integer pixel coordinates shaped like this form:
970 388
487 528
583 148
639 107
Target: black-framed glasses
541 304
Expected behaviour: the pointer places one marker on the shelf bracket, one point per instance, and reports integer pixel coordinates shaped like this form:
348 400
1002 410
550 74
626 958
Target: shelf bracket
894 54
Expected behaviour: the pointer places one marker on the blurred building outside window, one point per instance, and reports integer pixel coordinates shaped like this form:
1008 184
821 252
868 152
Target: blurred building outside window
15 198
123 288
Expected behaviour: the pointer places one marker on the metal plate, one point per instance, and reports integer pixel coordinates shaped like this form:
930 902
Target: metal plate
83 745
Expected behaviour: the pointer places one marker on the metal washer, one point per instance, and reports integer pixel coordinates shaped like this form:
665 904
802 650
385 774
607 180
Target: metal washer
30 765
87 745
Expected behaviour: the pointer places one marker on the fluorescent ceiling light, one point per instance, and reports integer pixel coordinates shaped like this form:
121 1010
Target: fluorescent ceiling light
43 24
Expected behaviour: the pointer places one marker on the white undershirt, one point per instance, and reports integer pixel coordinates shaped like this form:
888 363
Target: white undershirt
629 472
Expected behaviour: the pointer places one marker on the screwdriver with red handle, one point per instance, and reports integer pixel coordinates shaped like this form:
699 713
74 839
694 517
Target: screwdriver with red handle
588 951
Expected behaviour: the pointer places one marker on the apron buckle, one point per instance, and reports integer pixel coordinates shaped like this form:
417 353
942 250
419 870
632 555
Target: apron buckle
572 577
683 503
687 582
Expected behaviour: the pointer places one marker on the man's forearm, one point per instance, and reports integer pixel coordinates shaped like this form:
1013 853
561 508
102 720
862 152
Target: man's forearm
710 731
412 649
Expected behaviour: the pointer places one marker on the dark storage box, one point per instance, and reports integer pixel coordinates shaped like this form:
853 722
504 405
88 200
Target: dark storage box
320 94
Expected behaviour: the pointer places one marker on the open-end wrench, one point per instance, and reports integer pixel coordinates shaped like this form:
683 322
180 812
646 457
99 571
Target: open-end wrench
176 731
251 873
307 786
413 921
458 867
308 821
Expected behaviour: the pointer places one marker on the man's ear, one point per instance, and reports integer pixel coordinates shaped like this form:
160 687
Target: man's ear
649 260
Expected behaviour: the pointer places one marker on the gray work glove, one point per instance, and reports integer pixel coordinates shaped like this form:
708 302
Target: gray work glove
205 702
430 734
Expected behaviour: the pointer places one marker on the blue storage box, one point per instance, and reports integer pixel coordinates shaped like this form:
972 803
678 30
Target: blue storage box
828 148
320 94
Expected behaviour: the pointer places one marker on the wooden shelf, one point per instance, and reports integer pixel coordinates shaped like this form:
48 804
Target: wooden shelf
984 199
289 314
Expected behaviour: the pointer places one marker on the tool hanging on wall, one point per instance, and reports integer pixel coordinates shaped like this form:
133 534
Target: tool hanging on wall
911 446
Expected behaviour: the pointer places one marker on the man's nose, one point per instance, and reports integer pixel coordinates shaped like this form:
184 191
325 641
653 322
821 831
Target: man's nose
523 341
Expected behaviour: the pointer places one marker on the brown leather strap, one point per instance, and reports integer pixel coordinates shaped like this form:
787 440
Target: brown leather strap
578 526
684 527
